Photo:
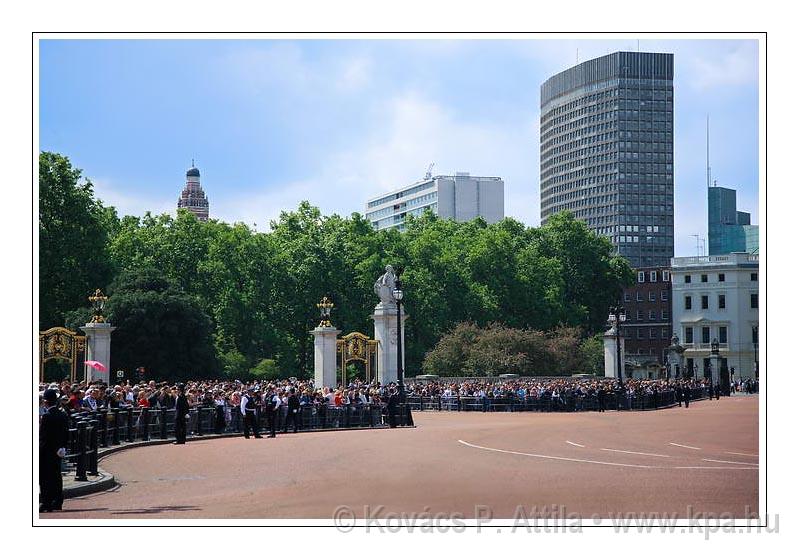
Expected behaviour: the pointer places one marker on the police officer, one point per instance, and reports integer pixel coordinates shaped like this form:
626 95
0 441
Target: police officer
686 395
53 438
248 407
181 415
271 403
601 399
678 394
293 412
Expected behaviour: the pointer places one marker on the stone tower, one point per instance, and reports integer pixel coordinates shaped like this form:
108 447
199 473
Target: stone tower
192 197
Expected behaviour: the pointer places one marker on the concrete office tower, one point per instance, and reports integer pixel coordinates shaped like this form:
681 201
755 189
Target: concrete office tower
729 230
606 148
460 197
192 197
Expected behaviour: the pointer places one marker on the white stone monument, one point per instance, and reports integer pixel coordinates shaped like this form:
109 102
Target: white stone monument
610 352
98 348
385 318
325 348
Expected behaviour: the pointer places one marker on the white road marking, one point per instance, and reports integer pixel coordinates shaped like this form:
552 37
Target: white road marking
554 458
746 454
727 468
731 462
686 446
633 452
573 460
573 443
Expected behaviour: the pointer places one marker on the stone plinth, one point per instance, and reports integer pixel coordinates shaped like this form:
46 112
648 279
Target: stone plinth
325 356
98 348
385 317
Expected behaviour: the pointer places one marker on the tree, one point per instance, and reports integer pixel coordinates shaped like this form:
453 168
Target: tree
266 370
74 228
160 327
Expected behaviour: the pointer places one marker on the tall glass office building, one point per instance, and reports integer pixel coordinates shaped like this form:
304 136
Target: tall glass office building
606 149
729 230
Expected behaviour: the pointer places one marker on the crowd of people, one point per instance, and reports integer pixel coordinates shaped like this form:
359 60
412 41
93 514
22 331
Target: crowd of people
225 397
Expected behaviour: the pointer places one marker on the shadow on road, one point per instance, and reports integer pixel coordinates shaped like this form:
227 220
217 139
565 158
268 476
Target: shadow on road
155 509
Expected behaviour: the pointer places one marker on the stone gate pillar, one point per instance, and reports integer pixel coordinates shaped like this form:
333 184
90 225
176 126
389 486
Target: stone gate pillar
98 348
385 318
325 356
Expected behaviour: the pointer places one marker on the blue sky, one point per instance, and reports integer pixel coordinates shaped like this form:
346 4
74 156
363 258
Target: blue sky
274 122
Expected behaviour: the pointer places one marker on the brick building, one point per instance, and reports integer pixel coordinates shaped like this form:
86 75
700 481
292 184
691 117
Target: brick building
648 307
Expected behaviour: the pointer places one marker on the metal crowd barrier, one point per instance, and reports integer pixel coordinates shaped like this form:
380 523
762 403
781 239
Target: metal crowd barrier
91 431
566 402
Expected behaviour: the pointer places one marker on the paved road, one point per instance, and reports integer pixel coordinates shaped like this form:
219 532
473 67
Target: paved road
675 461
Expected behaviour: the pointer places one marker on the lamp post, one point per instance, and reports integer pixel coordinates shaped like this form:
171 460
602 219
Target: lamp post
397 293
755 349
616 316
98 301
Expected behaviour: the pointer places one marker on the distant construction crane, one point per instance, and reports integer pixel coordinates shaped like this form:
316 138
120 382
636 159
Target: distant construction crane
428 172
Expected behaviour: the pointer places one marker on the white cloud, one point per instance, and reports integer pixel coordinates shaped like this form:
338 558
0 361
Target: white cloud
410 131
129 201
733 66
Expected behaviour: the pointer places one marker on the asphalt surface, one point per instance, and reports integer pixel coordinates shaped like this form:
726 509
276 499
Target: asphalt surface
681 462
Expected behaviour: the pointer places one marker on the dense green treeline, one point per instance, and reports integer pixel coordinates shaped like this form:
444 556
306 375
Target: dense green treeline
203 298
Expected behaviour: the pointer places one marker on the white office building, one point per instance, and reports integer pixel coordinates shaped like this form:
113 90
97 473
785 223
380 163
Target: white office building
460 197
716 297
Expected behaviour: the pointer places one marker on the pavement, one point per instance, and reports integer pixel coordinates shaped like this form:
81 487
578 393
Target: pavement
703 460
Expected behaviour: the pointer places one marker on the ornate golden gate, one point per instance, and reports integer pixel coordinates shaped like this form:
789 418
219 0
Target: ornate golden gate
357 347
61 343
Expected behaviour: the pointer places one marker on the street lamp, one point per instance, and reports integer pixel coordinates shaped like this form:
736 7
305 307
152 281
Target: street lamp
397 293
98 301
616 316
325 307
755 349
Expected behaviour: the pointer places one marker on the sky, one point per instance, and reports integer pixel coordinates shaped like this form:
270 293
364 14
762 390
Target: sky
270 123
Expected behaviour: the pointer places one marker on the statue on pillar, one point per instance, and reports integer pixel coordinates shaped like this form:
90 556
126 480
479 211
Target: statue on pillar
385 285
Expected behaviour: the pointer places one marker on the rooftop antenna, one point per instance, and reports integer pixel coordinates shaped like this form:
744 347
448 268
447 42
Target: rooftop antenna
428 172
697 243
192 162
708 152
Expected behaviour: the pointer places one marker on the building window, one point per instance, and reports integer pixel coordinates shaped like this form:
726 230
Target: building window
703 302
688 335
687 302
753 301
651 296
638 296
665 275
627 296
641 277
721 301
639 315
664 295
687 279
664 315
654 276
653 333
706 335
640 334
652 315
665 333
723 335
721 277
704 277
754 276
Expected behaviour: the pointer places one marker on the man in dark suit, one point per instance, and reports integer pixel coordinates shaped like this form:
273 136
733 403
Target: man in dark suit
293 411
181 416
53 438
271 403
394 402
678 394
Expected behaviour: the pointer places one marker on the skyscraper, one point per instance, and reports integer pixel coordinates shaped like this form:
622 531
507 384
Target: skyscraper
729 230
606 149
192 196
